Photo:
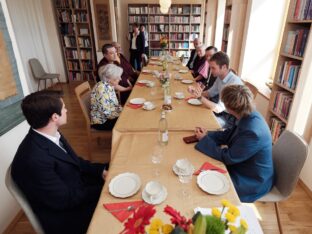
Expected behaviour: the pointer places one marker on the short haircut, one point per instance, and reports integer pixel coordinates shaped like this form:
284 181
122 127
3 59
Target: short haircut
105 48
200 47
221 59
238 98
135 25
212 48
39 107
110 71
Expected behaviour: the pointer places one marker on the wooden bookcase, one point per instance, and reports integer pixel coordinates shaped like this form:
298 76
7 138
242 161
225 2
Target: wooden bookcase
181 25
290 59
77 41
226 26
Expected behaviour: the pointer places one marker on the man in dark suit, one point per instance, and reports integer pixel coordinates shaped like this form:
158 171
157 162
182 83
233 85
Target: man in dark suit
193 58
61 188
137 46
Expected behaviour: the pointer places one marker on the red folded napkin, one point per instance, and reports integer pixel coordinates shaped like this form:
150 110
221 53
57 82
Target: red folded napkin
188 98
121 209
140 84
134 106
208 166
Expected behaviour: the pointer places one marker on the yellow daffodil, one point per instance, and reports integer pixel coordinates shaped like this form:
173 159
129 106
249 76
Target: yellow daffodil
234 211
231 218
216 212
244 223
232 228
166 228
156 224
225 203
153 231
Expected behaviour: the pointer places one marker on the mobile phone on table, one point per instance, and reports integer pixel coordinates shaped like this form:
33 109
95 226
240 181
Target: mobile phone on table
190 139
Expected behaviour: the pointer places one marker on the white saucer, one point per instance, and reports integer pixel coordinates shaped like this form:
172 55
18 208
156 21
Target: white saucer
179 97
213 182
194 101
177 172
183 71
137 101
160 199
148 109
187 81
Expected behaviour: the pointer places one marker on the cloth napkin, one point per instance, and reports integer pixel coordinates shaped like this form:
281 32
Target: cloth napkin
122 215
140 84
134 106
208 166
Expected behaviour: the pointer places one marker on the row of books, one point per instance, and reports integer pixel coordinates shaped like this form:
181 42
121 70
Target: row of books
73 54
85 54
227 16
69 41
301 10
155 36
158 19
195 28
277 127
196 10
282 103
86 65
159 28
180 10
80 17
77 76
65 16
135 19
179 36
84 42
225 33
78 4
67 29
138 10
62 3
180 19
156 10
180 28
296 41
288 74
195 19
179 45
72 65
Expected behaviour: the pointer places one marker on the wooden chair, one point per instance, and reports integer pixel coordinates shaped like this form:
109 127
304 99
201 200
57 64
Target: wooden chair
83 93
252 88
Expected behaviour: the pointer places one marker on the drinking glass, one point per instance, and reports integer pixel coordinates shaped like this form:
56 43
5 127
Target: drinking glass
185 178
157 156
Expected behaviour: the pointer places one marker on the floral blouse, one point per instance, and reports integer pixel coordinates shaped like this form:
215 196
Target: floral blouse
104 103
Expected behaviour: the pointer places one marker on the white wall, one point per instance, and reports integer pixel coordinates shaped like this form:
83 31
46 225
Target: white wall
219 23
264 23
36 35
10 141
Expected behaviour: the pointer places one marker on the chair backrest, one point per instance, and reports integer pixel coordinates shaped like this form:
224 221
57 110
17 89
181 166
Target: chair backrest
252 88
83 93
182 58
21 199
289 155
36 68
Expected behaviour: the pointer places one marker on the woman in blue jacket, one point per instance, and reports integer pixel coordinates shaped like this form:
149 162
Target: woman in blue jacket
245 149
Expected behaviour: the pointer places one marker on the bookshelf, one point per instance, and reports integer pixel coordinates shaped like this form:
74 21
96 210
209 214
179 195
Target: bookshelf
76 36
180 25
290 59
226 26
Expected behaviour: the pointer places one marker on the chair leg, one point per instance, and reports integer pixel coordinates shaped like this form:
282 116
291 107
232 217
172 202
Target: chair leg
59 82
278 218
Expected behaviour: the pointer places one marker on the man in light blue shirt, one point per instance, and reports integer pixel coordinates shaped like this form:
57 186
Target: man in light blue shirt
219 67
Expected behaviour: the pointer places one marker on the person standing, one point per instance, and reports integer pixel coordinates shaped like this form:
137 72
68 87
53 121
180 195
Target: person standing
137 45
145 33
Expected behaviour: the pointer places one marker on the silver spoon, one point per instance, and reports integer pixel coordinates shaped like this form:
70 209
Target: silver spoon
129 208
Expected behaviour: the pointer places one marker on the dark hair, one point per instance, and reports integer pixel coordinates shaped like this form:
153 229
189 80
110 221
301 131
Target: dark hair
105 48
38 107
212 48
135 25
221 59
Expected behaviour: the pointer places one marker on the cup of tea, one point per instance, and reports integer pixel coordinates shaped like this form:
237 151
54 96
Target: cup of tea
153 190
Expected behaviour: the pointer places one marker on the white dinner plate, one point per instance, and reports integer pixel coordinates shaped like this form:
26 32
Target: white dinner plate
213 182
158 200
194 101
137 101
143 81
187 81
183 71
146 71
124 185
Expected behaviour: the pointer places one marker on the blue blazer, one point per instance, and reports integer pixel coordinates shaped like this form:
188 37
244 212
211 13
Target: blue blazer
248 155
62 188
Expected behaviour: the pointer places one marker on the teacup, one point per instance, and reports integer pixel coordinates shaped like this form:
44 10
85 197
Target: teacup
150 84
153 190
148 105
179 95
183 165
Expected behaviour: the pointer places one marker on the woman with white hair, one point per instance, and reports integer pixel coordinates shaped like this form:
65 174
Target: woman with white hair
105 108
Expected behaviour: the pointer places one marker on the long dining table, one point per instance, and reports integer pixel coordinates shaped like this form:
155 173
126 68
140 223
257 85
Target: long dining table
135 136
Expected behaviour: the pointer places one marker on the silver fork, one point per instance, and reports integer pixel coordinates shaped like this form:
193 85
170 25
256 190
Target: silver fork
129 208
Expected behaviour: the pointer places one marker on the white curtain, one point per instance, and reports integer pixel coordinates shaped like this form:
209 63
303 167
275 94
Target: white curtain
36 35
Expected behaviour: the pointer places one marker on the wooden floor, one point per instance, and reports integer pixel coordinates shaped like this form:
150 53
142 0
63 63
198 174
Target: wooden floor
296 212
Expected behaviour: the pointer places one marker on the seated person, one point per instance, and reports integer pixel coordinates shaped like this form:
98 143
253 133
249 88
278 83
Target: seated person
210 50
105 108
110 56
200 69
248 151
61 188
219 66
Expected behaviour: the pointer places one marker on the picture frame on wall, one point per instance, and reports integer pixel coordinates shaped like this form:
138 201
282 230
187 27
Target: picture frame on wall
102 22
11 92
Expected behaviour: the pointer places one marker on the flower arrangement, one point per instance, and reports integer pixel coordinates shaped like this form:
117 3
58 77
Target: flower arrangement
224 220
163 42
164 79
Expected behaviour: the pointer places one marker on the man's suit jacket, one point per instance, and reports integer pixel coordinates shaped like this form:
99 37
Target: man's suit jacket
140 42
61 188
193 52
248 155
